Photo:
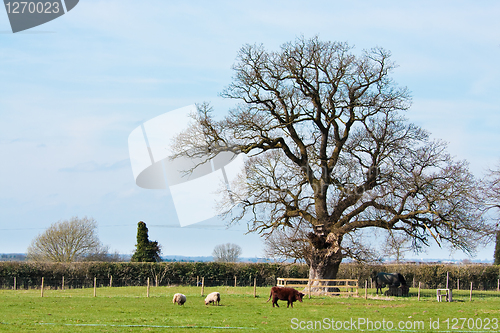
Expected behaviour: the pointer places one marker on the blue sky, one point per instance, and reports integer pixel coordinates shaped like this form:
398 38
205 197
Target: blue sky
72 90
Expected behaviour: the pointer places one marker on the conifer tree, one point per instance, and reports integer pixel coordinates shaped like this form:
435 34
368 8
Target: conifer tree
145 250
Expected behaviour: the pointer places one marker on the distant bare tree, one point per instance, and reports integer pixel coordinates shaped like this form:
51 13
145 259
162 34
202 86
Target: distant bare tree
67 241
396 246
226 252
104 255
492 188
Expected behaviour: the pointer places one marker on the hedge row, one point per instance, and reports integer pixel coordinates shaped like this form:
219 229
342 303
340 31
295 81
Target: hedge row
166 273
483 277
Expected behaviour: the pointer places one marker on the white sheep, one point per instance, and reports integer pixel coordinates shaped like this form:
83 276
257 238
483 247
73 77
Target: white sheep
179 299
213 298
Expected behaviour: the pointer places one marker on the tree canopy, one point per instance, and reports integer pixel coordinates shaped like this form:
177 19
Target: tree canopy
331 152
68 241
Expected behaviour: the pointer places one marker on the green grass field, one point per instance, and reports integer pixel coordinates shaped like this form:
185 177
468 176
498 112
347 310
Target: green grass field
127 309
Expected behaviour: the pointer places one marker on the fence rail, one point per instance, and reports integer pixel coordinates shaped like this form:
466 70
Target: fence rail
347 287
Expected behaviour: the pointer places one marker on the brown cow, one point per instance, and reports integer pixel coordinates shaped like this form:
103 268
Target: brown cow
285 294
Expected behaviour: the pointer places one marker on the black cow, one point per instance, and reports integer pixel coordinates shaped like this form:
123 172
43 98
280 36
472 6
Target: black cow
285 294
390 279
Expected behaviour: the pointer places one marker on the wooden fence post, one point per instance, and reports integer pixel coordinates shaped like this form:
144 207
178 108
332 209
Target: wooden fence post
498 285
255 287
202 285
95 286
418 291
147 292
62 283
458 284
447 279
366 289
197 281
15 282
470 296
111 281
41 289
156 281
235 281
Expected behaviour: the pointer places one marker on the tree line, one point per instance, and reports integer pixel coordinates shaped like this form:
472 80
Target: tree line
76 240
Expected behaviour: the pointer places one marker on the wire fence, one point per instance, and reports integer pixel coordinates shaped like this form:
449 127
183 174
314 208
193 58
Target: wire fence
461 290
420 290
457 291
24 283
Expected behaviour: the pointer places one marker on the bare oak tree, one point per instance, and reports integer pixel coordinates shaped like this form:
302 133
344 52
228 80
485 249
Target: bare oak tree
68 241
226 252
328 146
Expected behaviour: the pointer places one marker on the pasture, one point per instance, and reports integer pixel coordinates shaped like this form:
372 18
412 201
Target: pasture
127 309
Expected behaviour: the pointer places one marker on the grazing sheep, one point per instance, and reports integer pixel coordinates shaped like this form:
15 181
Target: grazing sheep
179 299
213 298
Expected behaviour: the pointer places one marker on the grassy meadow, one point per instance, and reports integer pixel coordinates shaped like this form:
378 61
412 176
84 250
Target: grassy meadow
127 309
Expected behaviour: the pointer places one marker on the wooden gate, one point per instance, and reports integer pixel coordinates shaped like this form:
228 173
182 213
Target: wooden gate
347 287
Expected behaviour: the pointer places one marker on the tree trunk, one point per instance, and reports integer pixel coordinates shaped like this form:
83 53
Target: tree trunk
323 266
324 259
